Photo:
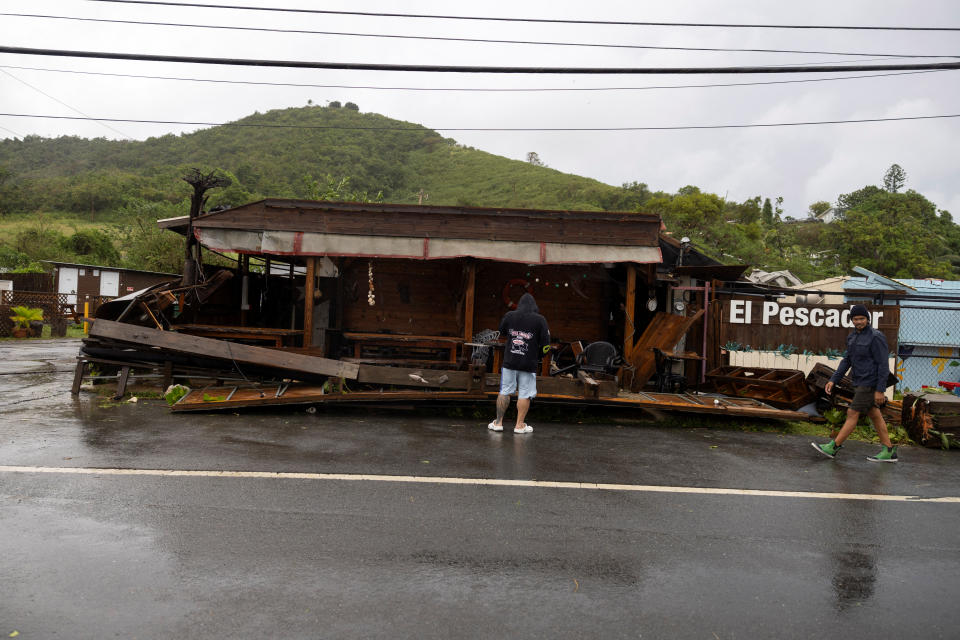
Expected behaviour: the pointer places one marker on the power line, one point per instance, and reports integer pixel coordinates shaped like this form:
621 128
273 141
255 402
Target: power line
423 129
466 89
57 100
540 20
15 134
472 40
364 66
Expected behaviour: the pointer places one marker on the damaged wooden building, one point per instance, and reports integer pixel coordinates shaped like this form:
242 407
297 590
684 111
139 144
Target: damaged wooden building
380 299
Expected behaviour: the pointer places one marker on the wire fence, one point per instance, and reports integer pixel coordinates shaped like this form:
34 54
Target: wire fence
928 348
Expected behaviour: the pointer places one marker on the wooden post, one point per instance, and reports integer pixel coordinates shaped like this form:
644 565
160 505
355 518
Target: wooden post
308 290
122 382
630 305
79 373
469 299
245 288
167 374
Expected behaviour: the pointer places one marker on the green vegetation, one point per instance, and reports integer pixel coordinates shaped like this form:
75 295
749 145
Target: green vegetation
23 316
97 201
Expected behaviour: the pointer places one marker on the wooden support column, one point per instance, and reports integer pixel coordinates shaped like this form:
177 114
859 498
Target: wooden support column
122 382
308 290
78 374
630 305
469 299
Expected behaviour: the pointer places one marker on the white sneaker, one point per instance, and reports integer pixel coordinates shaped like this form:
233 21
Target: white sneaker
493 426
526 429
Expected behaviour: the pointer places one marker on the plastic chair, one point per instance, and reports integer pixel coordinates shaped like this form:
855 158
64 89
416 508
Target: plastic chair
599 357
664 377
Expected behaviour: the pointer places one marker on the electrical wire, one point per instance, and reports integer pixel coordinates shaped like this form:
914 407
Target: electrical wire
423 129
472 40
539 20
57 100
466 89
432 68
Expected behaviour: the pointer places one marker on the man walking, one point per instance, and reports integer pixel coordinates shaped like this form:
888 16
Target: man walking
867 353
528 338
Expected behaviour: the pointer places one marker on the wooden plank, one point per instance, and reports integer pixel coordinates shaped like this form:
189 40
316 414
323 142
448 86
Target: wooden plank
211 348
469 299
78 376
630 305
402 376
308 289
301 395
593 228
557 385
663 332
122 382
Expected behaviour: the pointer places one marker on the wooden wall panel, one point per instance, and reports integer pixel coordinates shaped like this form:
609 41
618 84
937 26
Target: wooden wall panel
418 297
570 315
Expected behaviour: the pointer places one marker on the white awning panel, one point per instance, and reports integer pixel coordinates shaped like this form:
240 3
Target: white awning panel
329 244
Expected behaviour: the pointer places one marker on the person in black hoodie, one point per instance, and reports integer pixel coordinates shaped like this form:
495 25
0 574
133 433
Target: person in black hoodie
527 340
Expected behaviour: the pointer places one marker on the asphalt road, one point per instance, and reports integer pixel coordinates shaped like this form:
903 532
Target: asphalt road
393 524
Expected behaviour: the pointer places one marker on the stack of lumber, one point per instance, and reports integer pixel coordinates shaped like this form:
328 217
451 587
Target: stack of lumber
932 419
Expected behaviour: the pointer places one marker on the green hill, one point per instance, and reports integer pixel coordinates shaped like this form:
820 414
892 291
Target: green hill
283 153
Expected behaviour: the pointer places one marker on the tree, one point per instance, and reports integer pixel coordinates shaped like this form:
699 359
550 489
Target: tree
352 106
896 234
766 215
534 158
894 178
819 208
334 105
847 201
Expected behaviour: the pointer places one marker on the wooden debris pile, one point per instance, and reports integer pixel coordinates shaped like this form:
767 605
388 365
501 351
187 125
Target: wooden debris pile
785 388
843 392
932 419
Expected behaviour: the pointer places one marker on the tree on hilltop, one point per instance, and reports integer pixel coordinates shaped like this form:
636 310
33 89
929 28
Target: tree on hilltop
894 178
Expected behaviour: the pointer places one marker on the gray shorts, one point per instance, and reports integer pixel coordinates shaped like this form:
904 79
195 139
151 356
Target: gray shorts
863 399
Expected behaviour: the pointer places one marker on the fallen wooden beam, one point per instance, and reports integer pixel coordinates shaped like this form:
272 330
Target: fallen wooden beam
221 349
294 365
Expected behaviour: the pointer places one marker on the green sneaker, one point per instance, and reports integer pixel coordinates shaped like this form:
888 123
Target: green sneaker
830 449
886 455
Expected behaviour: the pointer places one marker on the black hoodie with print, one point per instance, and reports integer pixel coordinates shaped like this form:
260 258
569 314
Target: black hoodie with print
526 333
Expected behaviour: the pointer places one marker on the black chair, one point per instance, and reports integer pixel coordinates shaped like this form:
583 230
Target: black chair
664 377
599 357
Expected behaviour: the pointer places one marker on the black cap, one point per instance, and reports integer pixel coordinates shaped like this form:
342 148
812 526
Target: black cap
859 310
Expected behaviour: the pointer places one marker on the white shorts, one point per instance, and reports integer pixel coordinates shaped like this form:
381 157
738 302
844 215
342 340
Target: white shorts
511 379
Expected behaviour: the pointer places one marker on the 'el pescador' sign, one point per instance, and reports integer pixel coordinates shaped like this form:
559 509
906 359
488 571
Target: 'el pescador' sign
769 312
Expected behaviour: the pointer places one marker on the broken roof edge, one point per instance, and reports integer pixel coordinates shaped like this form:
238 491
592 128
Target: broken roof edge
884 280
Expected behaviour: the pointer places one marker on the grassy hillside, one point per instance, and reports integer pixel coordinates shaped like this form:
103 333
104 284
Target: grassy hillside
91 178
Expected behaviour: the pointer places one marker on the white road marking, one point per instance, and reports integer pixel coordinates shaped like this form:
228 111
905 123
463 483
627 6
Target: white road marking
643 488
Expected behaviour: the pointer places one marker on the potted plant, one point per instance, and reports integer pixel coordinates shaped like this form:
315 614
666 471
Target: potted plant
22 317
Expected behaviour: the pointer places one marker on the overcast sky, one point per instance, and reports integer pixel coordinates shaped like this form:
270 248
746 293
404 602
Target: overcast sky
802 164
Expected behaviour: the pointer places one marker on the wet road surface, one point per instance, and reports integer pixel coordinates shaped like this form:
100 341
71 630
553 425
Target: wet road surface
94 554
